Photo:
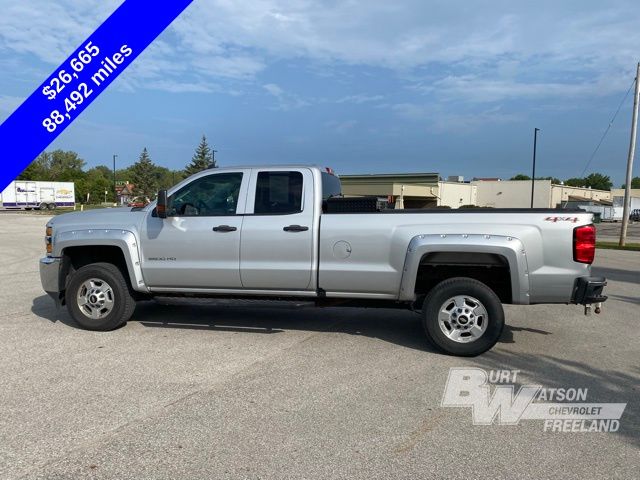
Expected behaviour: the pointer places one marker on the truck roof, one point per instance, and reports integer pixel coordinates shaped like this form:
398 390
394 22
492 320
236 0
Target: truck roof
279 165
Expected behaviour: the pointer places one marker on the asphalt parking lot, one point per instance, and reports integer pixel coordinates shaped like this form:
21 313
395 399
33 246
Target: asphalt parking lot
610 231
249 391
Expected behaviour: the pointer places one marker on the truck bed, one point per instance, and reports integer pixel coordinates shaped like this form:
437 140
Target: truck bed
367 251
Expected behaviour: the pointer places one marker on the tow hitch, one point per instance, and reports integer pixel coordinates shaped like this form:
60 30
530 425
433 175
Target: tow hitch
596 310
588 292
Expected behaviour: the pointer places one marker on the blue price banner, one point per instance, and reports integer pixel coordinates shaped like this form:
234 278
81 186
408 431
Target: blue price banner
80 79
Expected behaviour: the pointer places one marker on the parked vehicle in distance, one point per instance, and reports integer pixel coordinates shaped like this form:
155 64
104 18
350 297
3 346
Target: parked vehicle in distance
138 202
28 195
283 232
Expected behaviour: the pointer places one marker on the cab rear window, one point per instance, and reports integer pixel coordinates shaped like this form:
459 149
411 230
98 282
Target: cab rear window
330 186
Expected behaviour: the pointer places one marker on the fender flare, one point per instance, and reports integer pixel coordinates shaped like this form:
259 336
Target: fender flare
125 240
510 248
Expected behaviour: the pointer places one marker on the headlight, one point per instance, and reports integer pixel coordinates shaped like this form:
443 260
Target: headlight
48 239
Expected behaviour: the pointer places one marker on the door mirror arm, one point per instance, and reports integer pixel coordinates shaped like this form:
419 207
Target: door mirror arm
161 205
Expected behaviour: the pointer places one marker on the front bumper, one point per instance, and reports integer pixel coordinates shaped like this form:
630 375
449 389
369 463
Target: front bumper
50 276
588 290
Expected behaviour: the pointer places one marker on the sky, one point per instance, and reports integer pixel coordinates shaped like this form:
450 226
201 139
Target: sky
453 87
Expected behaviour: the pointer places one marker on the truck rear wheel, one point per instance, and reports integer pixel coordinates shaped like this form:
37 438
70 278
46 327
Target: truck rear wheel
462 316
98 297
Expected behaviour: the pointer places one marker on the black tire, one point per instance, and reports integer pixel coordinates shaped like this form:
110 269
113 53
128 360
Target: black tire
461 286
43 206
123 303
52 206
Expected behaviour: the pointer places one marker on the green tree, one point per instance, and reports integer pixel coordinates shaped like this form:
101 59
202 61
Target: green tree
554 180
202 159
105 171
65 166
635 183
124 174
143 175
177 176
575 182
97 183
37 170
166 178
598 181
522 176
593 180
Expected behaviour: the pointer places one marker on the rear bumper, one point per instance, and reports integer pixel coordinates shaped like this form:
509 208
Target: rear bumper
588 290
50 277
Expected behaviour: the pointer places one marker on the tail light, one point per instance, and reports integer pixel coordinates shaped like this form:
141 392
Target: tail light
584 244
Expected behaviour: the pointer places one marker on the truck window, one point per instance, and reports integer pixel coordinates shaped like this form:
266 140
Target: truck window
278 193
213 195
330 186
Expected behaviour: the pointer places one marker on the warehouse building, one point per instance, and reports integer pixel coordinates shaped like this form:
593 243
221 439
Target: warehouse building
617 197
517 193
427 190
417 190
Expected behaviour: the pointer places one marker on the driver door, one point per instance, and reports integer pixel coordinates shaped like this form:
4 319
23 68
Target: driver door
198 245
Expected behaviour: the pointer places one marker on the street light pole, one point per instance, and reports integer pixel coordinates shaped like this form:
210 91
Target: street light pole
115 192
533 174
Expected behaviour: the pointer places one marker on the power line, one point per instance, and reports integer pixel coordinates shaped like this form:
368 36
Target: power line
607 129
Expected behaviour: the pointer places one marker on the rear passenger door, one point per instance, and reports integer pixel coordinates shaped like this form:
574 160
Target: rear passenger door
276 246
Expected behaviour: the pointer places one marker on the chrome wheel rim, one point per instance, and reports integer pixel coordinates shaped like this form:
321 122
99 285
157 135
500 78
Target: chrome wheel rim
463 319
95 298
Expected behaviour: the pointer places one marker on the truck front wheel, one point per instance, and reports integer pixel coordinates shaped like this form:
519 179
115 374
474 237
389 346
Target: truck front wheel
462 316
98 297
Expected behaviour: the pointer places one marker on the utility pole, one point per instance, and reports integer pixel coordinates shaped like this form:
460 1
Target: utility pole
533 174
213 157
632 152
115 192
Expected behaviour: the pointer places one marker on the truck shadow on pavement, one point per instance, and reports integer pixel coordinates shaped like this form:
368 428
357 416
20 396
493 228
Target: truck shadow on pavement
618 274
626 298
399 327
604 386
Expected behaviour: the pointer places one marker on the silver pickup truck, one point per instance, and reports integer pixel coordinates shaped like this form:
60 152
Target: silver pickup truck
284 232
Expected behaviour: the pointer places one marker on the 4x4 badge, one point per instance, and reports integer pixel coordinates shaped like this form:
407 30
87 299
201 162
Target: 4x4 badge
562 219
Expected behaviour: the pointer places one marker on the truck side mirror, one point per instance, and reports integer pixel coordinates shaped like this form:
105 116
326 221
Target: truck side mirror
161 206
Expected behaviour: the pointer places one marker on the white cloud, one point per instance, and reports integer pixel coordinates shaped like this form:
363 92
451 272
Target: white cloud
50 30
286 100
341 126
8 104
360 98
439 119
490 50
478 89
273 89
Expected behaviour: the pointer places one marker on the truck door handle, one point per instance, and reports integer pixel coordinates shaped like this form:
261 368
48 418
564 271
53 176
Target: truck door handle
295 228
224 228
